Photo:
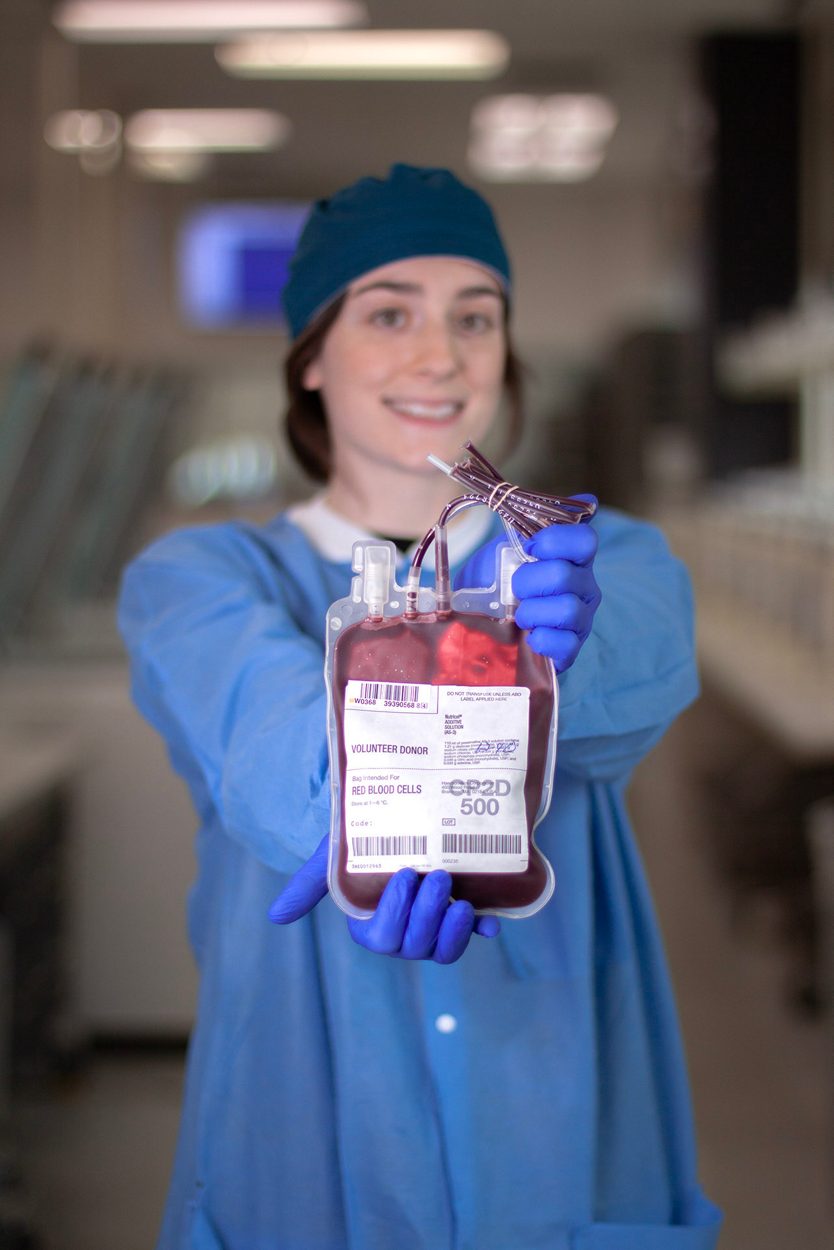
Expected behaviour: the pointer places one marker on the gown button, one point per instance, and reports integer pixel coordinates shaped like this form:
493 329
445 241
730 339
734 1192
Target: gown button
445 1024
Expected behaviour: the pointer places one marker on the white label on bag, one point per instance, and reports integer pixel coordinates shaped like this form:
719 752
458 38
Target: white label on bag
434 777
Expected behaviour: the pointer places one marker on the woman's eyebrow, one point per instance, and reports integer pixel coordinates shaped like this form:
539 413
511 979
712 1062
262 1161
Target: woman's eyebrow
470 291
414 288
401 288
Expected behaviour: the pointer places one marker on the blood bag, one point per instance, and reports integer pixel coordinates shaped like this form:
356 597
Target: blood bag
441 718
442 737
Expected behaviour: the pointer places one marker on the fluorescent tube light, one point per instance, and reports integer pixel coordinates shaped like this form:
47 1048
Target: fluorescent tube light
391 54
196 21
206 130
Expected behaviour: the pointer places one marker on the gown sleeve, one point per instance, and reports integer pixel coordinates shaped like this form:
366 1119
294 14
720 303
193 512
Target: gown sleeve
223 669
637 669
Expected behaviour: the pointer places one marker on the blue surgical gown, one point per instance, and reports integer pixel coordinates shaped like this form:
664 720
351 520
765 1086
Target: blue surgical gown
531 1096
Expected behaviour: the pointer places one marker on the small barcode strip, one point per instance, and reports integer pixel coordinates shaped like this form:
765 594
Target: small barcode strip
402 844
384 690
482 843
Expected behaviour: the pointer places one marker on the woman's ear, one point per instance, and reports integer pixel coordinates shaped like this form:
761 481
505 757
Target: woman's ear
311 378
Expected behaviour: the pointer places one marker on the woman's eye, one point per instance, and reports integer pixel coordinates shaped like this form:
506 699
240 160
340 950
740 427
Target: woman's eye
476 322
388 318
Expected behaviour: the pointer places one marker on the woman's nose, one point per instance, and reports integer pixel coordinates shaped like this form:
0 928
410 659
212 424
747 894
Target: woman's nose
436 350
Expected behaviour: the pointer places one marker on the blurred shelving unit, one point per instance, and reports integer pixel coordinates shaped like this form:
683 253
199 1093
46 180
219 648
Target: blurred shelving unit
760 547
791 354
761 544
762 561
762 550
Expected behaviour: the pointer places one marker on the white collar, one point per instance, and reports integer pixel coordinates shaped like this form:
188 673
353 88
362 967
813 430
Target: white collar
333 535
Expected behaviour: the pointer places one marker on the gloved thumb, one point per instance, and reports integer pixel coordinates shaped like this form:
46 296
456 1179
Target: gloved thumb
305 888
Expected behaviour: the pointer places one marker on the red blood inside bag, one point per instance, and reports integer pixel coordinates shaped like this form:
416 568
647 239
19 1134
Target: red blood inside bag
452 649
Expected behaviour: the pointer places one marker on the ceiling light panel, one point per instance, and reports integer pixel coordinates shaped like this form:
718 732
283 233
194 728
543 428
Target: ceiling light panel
391 54
196 21
556 138
93 135
79 130
206 130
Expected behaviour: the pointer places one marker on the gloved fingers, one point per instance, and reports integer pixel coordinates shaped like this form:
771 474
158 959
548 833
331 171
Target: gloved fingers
558 612
439 930
555 577
558 594
487 926
428 913
577 543
385 930
455 932
560 645
305 888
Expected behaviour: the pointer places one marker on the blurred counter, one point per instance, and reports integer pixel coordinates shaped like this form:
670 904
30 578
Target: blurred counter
129 854
761 555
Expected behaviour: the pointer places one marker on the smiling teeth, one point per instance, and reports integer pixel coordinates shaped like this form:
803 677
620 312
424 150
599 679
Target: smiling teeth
434 412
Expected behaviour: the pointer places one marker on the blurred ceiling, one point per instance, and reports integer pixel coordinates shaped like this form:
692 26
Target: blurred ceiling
633 50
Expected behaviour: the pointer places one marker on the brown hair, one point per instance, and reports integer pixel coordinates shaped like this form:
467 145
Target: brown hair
306 419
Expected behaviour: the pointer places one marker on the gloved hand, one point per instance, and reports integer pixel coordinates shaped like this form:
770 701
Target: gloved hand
558 594
414 919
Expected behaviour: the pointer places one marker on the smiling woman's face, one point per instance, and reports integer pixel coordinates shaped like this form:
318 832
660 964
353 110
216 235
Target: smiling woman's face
413 364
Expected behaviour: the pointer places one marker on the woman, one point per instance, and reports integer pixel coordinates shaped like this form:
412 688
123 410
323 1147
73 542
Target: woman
517 1093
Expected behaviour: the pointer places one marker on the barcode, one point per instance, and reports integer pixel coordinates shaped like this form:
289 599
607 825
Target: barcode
482 843
384 690
402 844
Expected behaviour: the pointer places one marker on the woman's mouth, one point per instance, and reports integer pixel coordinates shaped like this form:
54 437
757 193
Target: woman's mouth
426 409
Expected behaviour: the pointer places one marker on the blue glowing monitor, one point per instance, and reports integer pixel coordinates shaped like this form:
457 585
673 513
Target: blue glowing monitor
233 262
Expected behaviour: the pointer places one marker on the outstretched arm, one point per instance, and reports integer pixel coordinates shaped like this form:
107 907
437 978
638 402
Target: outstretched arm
222 667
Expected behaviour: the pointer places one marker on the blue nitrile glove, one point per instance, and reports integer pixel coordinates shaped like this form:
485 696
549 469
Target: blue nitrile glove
414 918
558 594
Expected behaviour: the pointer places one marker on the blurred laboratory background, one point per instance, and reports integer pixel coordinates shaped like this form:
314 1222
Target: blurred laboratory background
664 175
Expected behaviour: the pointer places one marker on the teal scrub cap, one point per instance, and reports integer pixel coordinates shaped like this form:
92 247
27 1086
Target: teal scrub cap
411 212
